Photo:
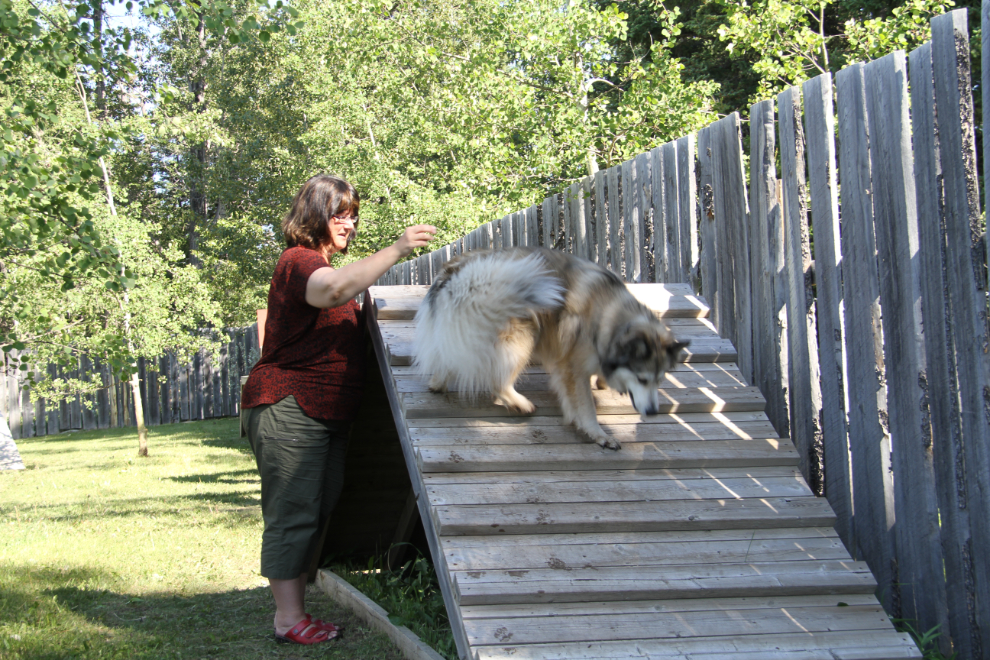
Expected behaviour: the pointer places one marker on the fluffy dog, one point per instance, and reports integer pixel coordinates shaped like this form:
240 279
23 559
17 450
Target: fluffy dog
489 312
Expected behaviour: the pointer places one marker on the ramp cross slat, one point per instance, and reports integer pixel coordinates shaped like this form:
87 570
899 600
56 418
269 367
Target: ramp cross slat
699 539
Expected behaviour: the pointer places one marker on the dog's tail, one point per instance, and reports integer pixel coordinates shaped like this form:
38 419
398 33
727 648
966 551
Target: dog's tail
465 319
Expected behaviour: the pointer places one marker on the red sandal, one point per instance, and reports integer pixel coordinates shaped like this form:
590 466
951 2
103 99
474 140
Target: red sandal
305 632
335 631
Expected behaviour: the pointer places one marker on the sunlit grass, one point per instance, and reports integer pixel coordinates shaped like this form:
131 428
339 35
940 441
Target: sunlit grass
107 555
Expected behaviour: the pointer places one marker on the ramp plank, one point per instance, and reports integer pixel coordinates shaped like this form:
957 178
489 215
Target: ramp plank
508 556
670 515
796 578
561 434
589 456
609 491
702 399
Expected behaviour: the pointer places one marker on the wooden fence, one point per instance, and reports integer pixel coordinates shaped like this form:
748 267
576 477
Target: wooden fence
171 390
870 342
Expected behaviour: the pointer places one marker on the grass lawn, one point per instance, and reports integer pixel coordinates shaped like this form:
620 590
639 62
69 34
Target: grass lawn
105 555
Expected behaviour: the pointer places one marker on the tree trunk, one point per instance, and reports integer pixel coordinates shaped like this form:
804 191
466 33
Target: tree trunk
197 177
101 83
139 415
112 398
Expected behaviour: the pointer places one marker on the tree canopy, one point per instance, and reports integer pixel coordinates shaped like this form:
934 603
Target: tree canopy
150 148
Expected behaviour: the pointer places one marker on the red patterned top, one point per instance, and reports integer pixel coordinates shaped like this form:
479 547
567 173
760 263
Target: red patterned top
316 355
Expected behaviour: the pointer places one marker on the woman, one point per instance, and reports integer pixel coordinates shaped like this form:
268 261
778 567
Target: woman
304 392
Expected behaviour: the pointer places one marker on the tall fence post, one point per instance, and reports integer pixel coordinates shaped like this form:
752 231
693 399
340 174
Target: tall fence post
869 442
802 328
965 267
824 195
919 556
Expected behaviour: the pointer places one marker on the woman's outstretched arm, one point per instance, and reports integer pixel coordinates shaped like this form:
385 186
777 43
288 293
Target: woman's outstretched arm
329 287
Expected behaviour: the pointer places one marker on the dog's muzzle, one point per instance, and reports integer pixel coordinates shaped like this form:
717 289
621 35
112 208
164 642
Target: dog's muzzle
650 410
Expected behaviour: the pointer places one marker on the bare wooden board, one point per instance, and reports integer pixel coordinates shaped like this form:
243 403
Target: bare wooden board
548 585
755 474
670 515
881 643
611 491
664 606
545 435
645 456
644 556
702 623
607 402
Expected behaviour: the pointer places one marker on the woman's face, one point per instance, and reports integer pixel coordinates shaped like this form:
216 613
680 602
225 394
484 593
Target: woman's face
342 230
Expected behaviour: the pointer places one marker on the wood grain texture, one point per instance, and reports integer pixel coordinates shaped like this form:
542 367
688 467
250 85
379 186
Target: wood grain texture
803 380
675 270
942 403
869 442
615 224
732 209
706 223
919 553
824 197
632 222
966 275
770 371
687 192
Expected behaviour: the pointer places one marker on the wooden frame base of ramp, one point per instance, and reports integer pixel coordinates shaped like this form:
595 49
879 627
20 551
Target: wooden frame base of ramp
698 540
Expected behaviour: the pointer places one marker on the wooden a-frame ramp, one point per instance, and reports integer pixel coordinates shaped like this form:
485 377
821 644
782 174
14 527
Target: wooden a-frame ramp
698 539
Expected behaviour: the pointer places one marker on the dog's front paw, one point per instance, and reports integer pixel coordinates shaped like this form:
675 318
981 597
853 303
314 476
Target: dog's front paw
602 439
608 443
523 406
515 402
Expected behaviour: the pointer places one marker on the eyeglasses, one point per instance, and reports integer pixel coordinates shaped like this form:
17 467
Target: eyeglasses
351 220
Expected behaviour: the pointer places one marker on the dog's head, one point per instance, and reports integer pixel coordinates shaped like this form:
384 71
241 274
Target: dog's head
637 358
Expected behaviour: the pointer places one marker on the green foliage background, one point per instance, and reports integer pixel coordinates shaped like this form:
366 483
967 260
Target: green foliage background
146 161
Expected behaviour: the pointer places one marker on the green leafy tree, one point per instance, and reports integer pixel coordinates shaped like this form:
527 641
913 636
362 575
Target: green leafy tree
56 181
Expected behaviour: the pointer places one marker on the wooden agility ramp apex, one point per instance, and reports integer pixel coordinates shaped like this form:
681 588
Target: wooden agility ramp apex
699 539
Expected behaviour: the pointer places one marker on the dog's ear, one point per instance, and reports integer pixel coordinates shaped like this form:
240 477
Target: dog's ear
674 350
640 349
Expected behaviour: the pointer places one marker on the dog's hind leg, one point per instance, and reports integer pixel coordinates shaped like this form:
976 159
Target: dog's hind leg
514 349
574 393
438 383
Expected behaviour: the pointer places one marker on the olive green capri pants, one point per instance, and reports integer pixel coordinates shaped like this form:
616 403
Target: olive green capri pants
301 462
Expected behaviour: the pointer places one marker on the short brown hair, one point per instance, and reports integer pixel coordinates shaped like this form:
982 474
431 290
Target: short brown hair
322 197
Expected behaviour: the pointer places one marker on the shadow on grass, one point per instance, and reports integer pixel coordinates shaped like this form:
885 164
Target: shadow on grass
49 613
233 477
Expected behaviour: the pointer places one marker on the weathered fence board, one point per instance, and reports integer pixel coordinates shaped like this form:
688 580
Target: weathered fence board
616 262
802 328
706 225
658 212
942 403
824 197
967 280
731 210
919 556
770 372
868 440
632 225
687 209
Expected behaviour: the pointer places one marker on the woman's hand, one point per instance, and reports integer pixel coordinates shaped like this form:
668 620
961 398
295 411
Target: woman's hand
414 237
